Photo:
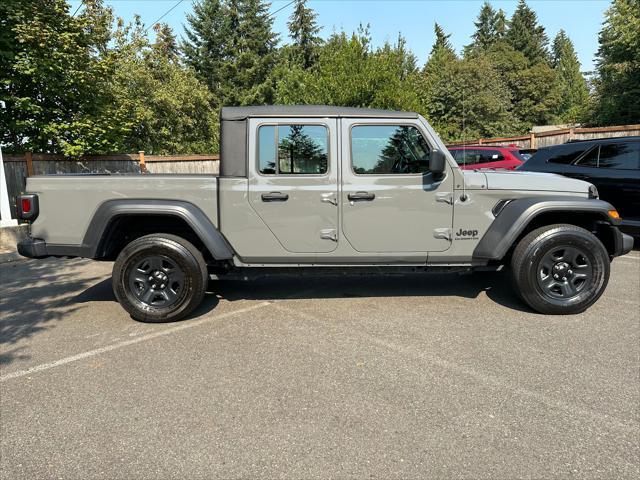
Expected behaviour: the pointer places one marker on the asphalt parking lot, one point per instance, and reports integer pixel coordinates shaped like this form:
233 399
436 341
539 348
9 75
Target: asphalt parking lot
432 376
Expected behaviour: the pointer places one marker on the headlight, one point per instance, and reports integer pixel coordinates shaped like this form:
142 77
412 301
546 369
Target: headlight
593 191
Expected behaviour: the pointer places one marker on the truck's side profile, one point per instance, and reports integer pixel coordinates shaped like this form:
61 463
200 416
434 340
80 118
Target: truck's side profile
312 186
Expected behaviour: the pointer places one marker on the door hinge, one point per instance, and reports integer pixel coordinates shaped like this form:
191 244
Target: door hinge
442 233
329 198
329 234
444 197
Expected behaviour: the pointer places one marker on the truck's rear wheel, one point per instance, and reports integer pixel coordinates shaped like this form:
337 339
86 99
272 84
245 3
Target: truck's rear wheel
159 278
560 269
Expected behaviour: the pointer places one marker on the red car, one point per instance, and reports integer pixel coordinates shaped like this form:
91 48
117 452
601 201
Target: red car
474 157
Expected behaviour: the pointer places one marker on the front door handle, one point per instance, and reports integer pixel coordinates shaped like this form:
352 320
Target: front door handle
275 197
361 196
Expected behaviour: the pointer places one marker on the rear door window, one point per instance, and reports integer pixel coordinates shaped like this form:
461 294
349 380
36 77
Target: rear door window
293 149
624 156
620 155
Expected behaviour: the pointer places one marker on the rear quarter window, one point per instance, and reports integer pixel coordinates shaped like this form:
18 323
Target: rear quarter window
564 154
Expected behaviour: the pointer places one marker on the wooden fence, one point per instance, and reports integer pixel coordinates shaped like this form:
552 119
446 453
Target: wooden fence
18 168
555 137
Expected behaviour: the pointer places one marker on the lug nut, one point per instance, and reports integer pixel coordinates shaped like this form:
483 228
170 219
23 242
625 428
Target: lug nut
564 279
150 279
556 276
569 272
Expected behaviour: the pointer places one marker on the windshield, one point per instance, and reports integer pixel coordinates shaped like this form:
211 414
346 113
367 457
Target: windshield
519 156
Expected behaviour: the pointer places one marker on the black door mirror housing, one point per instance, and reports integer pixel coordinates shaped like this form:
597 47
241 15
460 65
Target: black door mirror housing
437 162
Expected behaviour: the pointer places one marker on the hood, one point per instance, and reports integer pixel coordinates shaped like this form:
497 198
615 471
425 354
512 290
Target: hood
534 181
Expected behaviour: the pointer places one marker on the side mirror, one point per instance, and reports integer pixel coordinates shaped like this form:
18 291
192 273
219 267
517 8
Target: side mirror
437 162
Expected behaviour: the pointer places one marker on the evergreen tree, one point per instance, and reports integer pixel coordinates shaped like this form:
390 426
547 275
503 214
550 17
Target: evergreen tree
166 43
232 47
207 44
485 34
526 36
617 84
441 54
573 87
256 55
303 30
501 25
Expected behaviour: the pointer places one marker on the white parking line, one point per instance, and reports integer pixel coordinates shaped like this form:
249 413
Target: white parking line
125 343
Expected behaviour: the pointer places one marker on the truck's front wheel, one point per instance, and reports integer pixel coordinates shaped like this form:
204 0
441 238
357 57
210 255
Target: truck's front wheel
159 278
560 269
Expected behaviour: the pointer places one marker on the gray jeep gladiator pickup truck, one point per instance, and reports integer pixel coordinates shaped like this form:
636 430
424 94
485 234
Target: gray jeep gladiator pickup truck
317 187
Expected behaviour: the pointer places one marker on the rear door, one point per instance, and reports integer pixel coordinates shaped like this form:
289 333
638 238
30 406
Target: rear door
390 201
617 177
293 181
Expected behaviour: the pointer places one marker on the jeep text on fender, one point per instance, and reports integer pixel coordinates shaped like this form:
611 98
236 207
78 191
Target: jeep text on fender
314 187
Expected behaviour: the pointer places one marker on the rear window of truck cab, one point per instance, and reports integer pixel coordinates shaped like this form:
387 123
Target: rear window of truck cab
292 149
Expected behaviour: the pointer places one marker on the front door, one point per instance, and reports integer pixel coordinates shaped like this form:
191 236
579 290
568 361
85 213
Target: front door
390 200
293 184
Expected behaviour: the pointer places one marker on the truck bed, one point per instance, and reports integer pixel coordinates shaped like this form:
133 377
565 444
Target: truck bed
68 202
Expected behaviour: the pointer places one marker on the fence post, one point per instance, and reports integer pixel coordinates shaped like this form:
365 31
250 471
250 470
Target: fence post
143 166
480 141
532 140
29 158
572 133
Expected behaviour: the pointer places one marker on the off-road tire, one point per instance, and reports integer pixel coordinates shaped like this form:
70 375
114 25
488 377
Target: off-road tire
182 273
540 256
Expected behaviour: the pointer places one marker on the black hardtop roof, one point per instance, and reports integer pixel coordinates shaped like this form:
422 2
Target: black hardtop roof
242 113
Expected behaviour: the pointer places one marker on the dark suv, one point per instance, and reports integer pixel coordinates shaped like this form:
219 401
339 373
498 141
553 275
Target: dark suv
611 164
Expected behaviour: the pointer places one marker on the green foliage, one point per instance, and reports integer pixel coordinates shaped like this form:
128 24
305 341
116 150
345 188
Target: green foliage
77 85
574 94
617 84
526 36
490 28
303 30
168 107
231 46
54 81
349 72
534 90
467 99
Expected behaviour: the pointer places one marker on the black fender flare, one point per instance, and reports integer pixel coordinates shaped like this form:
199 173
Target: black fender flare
517 214
190 213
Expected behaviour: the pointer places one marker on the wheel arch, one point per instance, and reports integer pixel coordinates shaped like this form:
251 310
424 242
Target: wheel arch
521 216
140 217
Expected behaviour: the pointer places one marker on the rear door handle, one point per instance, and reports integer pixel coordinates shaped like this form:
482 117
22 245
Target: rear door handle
361 196
275 197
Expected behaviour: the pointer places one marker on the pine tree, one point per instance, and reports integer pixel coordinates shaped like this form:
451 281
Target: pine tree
232 47
206 48
303 30
442 54
526 36
485 34
617 83
256 55
573 87
501 25
166 44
